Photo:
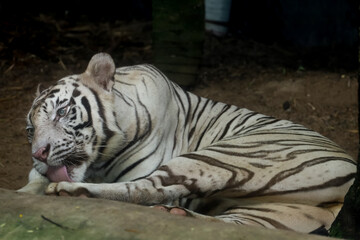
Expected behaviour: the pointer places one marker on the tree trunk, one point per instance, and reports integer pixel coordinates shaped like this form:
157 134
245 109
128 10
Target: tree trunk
178 34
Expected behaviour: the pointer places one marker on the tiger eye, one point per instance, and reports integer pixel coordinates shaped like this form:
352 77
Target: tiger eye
61 112
30 130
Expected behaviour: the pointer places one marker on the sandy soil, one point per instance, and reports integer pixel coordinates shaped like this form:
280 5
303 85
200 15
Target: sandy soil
249 75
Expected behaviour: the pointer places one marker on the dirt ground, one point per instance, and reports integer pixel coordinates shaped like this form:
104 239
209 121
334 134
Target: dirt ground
235 71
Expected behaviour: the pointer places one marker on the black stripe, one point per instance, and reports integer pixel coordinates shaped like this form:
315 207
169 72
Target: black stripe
197 119
108 133
54 91
137 121
175 131
121 73
196 107
180 100
273 222
243 121
249 208
124 83
60 154
62 101
231 183
227 127
119 94
116 122
76 93
87 107
144 83
156 71
210 124
256 154
285 132
132 166
263 122
239 220
147 131
149 72
189 108
289 172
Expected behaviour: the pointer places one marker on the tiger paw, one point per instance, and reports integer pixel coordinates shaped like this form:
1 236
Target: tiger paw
51 189
66 189
172 210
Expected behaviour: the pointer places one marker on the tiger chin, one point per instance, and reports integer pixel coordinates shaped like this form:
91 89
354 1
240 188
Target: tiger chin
130 134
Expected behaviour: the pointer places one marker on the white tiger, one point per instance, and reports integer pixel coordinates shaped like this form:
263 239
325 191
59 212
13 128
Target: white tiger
130 134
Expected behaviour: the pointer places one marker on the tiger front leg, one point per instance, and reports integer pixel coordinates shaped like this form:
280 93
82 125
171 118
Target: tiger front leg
36 185
140 191
181 177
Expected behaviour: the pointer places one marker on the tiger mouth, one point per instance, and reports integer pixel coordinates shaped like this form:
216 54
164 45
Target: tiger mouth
59 173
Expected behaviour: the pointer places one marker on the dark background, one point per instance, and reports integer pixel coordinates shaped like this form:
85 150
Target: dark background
319 34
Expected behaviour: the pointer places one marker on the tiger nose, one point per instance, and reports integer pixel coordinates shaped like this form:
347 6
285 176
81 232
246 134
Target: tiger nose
42 153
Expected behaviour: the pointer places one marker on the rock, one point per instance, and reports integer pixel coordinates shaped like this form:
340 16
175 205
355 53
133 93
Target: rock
24 216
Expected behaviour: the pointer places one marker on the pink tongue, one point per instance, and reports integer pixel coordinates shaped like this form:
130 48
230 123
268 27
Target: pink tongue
58 174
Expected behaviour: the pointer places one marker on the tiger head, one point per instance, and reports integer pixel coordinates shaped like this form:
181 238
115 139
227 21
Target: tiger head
64 124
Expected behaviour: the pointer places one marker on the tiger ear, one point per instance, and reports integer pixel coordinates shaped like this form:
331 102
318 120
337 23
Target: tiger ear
39 90
101 70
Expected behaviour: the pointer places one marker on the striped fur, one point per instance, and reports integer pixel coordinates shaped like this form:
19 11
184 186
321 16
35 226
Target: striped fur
132 135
